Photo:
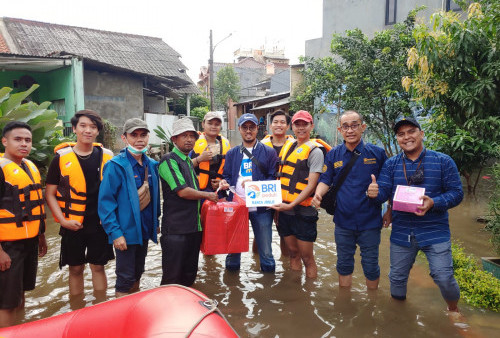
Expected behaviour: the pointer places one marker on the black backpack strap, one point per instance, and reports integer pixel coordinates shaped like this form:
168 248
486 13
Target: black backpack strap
345 172
253 159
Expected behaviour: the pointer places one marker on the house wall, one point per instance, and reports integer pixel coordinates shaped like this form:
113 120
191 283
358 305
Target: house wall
116 97
367 15
54 85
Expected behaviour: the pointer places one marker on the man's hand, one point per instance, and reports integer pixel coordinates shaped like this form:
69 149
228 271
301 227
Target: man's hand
244 181
281 207
426 206
71 224
372 191
42 245
5 261
387 218
223 185
316 201
206 155
120 243
215 183
212 196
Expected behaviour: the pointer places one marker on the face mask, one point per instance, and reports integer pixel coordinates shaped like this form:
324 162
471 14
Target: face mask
137 151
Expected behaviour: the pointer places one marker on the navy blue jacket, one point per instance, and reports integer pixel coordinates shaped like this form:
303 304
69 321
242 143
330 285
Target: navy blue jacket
262 153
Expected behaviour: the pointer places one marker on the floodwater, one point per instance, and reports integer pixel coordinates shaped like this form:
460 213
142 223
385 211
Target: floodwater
286 304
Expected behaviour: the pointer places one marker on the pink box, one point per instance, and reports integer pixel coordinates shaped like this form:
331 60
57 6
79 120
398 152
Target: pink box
407 198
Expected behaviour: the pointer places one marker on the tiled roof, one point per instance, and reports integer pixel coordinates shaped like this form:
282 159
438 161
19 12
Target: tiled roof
142 54
3 45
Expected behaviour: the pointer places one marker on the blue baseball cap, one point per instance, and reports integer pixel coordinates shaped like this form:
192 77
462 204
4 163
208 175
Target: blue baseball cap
248 117
406 120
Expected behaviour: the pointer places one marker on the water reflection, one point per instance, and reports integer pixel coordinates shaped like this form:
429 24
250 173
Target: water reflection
286 304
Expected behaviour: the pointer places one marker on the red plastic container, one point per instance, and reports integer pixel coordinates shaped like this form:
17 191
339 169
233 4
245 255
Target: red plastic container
225 227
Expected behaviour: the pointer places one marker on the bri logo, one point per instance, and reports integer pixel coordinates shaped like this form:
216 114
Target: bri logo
253 191
67 164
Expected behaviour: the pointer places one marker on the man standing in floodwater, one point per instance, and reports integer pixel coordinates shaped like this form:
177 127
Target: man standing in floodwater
427 229
252 161
73 181
358 220
22 220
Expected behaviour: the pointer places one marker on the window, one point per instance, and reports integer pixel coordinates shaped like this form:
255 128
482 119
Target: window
390 11
452 6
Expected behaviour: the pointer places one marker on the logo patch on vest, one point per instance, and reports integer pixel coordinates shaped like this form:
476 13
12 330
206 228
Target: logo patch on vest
15 171
299 150
369 160
338 164
67 164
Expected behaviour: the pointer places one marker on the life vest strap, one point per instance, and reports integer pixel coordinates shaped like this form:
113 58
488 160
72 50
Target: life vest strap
210 173
22 218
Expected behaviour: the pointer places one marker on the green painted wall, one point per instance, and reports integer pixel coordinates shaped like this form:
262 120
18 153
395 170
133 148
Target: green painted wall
60 84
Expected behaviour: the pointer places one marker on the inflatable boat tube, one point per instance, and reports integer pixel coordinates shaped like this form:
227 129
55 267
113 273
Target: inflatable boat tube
167 311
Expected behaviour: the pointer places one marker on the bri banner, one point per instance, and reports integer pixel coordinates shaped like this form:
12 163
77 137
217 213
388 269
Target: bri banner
262 193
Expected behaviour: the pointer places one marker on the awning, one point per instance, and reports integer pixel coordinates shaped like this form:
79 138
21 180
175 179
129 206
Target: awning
273 104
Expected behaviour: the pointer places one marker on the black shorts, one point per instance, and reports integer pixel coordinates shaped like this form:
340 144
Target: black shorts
22 273
302 227
78 248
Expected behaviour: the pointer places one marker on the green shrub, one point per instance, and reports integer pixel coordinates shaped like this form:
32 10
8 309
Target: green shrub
493 224
477 287
199 112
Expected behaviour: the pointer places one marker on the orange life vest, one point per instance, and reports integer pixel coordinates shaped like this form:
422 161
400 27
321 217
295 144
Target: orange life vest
72 189
294 172
205 171
22 213
268 141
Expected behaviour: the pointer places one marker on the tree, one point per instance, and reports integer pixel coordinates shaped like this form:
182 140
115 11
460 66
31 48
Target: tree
179 105
46 129
456 76
226 86
364 74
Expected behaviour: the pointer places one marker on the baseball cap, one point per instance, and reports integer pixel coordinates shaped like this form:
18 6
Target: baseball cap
134 124
406 120
248 117
182 125
302 115
212 115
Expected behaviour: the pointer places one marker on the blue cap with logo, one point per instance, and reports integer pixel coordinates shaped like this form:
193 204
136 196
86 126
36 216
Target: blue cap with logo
248 117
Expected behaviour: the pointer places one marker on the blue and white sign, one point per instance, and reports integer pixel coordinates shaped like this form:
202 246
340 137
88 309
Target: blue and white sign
262 193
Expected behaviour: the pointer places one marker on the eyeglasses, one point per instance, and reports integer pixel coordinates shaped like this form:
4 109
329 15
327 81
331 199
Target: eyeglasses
251 128
354 127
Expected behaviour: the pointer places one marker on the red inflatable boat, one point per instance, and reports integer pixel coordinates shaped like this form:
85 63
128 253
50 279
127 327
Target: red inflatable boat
167 311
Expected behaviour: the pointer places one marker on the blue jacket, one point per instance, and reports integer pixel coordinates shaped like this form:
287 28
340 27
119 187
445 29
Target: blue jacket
119 202
262 153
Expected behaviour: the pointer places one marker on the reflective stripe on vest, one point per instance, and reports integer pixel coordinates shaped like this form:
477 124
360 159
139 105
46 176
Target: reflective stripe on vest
72 189
294 171
22 203
203 170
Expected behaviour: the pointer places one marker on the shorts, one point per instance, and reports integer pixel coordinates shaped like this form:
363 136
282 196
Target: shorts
303 227
22 273
78 248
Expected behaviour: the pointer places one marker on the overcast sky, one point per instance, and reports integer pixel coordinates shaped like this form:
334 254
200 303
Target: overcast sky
185 24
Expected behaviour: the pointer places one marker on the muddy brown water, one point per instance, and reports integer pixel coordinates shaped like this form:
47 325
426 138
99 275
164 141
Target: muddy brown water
286 304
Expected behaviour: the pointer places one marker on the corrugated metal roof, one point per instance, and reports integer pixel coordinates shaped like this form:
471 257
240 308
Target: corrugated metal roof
142 54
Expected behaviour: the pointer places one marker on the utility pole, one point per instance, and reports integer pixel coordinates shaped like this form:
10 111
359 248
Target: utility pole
211 74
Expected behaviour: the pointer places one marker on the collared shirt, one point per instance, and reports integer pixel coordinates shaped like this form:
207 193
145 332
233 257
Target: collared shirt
355 211
147 212
180 215
442 184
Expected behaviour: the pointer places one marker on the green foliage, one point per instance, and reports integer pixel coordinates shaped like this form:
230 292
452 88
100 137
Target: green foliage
493 224
477 287
365 74
108 134
471 145
46 128
226 86
199 112
166 143
456 71
179 105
